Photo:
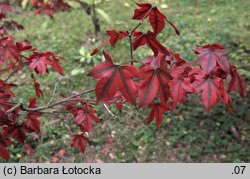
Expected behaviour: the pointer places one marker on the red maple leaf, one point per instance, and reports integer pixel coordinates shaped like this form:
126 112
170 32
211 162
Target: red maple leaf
2 16
4 153
15 131
157 111
25 46
150 39
155 81
85 117
79 141
181 83
156 18
235 81
32 122
8 50
39 92
113 78
210 86
56 65
5 7
39 62
142 12
212 55
115 36
46 9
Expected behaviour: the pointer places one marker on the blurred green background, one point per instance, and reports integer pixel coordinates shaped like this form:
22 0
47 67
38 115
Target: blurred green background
189 134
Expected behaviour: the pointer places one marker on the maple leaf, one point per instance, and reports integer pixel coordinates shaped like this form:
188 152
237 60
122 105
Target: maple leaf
39 62
16 131
235 80
155 17
32 122
115 36
150 39
157 111
8 50
181 83
210 88
5 88
155 81
2 16
25 46
85 117
210 56
39 92
180 88
5 7
4 98
113 78
56 65
4 119
4 153
79 141
46 9
159 60
142 12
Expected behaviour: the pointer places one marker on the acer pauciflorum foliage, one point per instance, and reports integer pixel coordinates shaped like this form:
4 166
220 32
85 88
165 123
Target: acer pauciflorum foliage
163 81
50 7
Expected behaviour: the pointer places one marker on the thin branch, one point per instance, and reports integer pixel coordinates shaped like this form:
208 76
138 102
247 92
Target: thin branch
53 94
15 71
130 41
70 98
13 108
108 110
131 49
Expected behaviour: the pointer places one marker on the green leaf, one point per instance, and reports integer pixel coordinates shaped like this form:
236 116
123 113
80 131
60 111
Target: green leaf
104 15
74 4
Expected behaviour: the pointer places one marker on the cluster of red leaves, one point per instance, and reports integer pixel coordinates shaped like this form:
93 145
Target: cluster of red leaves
5 24
84 118
50 7
165 80
15 56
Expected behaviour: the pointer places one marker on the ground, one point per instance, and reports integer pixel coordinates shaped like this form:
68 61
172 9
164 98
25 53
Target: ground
189 134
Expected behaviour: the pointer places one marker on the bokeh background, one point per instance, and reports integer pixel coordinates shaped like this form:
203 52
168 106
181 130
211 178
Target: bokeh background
189 134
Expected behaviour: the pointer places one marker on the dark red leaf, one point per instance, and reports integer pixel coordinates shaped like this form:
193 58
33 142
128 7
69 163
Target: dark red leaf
56 65
113 78
79 141
156 18
150 39
236 81
39 62
5 7
142 12
8 50
212 55
85 117
25 46
115 36
39 92
157 111
32 122
4 153
210 88
155 81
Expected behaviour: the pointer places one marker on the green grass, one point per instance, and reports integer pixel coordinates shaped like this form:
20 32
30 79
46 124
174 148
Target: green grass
189 134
